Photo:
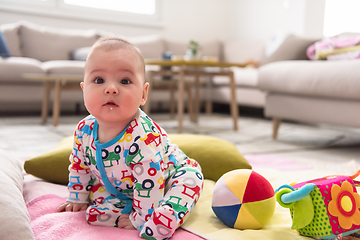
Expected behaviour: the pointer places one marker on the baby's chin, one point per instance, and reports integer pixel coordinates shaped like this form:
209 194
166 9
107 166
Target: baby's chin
111 116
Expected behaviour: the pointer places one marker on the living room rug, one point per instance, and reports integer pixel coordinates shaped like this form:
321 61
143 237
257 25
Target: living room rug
47 224
204 223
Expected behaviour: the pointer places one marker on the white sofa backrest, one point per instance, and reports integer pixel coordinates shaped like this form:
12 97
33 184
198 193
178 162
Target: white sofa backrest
47 43
241 51
176 47
11 33
212 49
25 39
151 47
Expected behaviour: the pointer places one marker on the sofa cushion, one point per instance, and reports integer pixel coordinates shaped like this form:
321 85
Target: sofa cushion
47 43
66 67
241 51
244 77
333 79
4 51
293 48
211 49
150 46
107 34
175 46
14 217
11 34
53 165
13 68
80 54
215 156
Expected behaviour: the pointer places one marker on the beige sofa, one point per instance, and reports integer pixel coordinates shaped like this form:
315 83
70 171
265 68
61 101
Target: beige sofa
312 91
48 50
38 49
315 92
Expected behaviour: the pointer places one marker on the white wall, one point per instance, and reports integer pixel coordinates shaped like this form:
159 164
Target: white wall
198 19
314 10
209 19
131 30
260 19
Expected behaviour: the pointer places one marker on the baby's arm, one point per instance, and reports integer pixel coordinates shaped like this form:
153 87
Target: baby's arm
72 207
79 177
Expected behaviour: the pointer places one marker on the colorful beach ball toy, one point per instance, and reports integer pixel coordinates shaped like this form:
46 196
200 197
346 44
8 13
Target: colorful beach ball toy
243 199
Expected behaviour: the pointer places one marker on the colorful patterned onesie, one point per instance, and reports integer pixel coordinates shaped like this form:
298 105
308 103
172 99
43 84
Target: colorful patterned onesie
141 173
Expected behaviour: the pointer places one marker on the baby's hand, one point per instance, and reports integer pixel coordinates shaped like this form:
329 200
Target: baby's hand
72 207
125 223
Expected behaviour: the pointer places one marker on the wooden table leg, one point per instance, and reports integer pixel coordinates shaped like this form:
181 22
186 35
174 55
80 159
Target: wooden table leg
190 102
197 99
209 87
181 98
233 106
56 104
172 102
45 103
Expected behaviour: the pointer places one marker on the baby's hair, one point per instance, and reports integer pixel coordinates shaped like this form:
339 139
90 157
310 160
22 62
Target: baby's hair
114 43
111 43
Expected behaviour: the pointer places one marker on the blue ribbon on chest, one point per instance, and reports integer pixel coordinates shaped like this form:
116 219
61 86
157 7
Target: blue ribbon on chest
108 186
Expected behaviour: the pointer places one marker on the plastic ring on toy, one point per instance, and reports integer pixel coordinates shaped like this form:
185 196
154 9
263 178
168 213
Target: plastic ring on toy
281 192
284 186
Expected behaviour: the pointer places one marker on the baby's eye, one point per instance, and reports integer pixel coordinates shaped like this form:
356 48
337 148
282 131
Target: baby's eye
125 81
99 80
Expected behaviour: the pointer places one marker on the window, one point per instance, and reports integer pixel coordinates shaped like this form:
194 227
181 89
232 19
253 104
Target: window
341 16
138 12
132 6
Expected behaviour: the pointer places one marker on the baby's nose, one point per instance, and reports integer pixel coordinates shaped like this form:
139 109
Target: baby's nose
111 89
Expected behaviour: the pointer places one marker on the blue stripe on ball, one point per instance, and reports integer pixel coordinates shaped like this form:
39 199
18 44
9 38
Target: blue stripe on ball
227 214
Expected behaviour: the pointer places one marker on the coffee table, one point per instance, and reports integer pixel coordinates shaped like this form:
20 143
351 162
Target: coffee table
196 68
58 82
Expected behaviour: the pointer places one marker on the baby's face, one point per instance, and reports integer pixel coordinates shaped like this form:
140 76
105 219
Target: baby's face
114 86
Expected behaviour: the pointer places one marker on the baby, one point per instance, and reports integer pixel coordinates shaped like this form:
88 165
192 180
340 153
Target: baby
124 170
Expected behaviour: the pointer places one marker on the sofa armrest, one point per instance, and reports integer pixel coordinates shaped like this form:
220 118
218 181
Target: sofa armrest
333 79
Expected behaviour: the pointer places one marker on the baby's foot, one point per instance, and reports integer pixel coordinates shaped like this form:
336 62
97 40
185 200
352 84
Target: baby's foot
162 224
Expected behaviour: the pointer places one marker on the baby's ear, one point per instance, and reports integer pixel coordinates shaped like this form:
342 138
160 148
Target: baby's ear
145 93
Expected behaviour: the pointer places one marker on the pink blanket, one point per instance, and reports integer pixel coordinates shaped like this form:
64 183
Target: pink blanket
331 43
46 224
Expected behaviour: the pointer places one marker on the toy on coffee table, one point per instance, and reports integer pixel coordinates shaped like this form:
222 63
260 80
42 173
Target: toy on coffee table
324 208
243 199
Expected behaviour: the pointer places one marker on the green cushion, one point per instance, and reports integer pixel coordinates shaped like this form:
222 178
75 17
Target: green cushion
215 156
52 166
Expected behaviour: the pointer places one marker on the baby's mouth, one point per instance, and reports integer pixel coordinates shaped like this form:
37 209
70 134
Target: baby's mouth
111 104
